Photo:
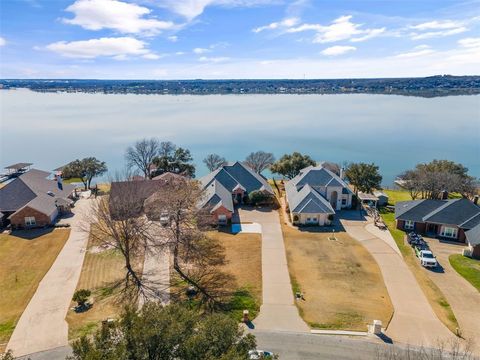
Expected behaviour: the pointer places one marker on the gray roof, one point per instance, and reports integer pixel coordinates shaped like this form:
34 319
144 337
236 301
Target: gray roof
18 166
33 189
306 200
473 235
460 212
217 195
318 176
229 177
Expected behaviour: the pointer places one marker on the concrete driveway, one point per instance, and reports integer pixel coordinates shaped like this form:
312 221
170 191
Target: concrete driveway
278 311
413 321
462 296
42 325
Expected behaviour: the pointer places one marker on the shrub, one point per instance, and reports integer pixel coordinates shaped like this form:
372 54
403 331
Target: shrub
259 197
81 296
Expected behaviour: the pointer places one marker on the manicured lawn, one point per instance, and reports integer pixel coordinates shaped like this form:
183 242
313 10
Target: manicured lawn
100 270
397 195
434 295
340 280
244 256
25 257
468 268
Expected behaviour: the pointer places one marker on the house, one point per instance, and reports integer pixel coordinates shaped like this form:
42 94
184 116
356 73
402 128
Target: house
33 200
473 241
315 194
228 186
382 198
450 219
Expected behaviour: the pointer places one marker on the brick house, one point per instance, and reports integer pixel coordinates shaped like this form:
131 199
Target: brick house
229 186
450 219
33 200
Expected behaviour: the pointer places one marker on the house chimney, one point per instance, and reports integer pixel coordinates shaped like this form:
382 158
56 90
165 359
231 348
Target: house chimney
444 195
475 199
341 173
59 182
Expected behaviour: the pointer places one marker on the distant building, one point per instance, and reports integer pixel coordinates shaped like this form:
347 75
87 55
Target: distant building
33 200
382 198
315 194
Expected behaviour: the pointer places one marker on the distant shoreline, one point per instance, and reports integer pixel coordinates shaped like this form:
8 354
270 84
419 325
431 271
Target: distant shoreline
427 87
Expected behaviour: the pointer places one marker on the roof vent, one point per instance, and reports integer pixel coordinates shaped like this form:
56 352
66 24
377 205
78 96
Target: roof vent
50 193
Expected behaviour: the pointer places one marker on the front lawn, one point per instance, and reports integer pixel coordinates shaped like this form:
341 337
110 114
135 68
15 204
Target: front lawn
101 269
243 253
434 295
341 282
25 258
468 268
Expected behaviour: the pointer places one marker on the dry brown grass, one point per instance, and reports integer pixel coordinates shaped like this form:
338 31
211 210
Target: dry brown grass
341 282
243 253
25 258
99 271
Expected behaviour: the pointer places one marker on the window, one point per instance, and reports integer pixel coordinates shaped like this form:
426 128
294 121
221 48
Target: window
450 232
30 221
222 219
409 225
344 202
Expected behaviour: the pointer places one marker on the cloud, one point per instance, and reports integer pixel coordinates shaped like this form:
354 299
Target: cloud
3 42
437 25
213 59
432 34
440 28
470 42
200 50
286 23
120 16
341 28
151 56
118 48
172 38
338 50
190 9
417 51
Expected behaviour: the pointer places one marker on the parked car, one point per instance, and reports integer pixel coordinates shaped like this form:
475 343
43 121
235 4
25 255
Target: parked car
259 354
427 259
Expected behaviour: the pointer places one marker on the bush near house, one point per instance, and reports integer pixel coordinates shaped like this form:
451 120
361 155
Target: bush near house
259 198
81 296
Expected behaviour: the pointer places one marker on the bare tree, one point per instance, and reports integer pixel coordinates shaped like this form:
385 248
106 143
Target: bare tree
260 160
142 153
333 167
197 260
214 161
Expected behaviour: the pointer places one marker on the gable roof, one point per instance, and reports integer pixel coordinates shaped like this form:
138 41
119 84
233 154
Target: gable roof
473 235
306 200
217 195
235 175
318 176
33 189
460 212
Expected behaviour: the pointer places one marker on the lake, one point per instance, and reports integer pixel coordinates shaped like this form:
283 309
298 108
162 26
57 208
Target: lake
395 132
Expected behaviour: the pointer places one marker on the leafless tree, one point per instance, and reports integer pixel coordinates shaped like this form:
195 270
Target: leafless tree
197 260
259 160
142 153
214 161
333 167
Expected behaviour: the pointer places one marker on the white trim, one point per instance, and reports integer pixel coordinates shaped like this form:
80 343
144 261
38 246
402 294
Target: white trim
409 225
30 221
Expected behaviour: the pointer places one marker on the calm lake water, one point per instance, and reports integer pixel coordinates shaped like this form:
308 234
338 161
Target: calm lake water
395 132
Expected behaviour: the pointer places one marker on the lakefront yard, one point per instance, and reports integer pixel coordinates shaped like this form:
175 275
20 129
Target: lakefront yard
25 258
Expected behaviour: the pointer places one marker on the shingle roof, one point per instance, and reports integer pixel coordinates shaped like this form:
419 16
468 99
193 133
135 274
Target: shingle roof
18 166
318 176
33 189
307 200
228 178
460 212
473 235
217 195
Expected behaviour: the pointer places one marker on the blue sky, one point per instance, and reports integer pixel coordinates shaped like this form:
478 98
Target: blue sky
175 39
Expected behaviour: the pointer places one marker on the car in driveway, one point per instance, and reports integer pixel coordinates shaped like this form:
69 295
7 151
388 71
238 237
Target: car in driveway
427 259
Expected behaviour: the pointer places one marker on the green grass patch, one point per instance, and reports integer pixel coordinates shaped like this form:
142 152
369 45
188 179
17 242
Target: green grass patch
242 300
398 235
6 329
466 267
72 180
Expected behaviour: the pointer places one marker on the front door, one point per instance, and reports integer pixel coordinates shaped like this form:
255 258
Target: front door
333 199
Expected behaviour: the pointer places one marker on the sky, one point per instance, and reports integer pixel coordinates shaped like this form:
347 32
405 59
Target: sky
233 39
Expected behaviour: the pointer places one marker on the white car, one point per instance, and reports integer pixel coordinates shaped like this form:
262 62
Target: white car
427 259
259 354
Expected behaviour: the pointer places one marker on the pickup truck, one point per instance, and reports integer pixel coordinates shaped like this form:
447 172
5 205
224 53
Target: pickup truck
427 259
